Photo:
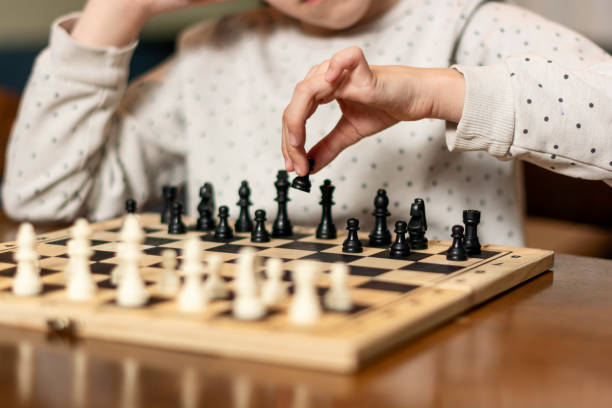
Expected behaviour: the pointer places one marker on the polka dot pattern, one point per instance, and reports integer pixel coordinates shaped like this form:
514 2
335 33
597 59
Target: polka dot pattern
212 120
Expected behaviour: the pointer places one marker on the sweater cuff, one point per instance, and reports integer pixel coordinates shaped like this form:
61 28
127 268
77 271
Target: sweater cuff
103 67
487 122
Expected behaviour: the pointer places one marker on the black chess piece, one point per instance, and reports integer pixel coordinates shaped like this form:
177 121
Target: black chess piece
244 222
380 235
130 206
223 232
421 204
169 193
205 221
471 219
259 233
400 248
303 182
282 225
352 244
326 228
456 252
175 224
416 228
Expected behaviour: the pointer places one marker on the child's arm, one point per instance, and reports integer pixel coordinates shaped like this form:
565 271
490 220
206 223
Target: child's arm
537 91
82 143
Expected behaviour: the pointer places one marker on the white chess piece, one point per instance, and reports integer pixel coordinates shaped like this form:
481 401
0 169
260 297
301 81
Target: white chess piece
81 285
215 287
132 291
248 305
27 278
192 297
338 297
274 290
305 309
169 283
131 236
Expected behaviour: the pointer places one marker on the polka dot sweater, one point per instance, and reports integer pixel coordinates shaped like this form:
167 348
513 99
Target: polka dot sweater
85 139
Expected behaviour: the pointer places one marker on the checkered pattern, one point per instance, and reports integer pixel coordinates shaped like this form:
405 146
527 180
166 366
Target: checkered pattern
373 273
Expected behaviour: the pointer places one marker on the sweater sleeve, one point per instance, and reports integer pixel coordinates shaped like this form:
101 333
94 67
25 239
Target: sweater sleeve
83 141
535 91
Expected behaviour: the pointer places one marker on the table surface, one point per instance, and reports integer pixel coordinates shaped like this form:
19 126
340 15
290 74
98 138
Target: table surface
546 343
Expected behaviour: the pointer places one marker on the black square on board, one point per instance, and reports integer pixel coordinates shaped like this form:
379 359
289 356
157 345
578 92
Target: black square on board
231 248
154 241
96 256
102 268
387 286
331 258
64 242
307 246
414 256
8 257
158 250
364 271
431 268
211 238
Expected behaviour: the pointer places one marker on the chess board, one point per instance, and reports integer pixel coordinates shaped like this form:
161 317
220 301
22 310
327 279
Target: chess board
395 299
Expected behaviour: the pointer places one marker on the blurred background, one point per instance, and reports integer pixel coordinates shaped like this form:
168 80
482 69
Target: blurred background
564 214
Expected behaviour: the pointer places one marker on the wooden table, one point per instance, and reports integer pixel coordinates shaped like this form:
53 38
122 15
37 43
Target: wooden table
547 343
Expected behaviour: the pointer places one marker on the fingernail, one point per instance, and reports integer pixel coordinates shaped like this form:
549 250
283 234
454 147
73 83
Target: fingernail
330 75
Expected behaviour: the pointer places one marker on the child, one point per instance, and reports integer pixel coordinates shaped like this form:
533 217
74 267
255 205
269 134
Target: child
84 141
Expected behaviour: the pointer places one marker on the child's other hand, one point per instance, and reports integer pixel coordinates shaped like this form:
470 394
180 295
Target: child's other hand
154 7
118 22
372 98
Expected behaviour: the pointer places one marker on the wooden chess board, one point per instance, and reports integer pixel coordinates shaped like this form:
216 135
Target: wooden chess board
395 299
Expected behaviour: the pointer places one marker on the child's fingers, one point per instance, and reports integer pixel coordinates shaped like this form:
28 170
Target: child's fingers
351 59
342 136
288 162
307 96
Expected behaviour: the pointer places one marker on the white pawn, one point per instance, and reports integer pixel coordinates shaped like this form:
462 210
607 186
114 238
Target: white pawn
248 305
192 297
81 285
132 291
338 297
131 236
274 291
27 278
169 283
215 287
305 309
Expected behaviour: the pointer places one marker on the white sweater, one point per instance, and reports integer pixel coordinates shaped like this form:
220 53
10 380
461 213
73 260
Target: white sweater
84 141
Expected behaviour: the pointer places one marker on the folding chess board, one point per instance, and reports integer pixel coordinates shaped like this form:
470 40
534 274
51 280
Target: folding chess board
395 299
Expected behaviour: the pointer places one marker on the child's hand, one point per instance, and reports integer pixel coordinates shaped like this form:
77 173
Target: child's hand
372 98
118 22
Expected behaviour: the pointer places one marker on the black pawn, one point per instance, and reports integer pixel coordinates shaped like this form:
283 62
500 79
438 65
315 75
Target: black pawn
326 228
223 232
130 206
303 182
380 235
456 252
244 222
282 225
352 243
416 228
169 193
471 219
400 248
259 233
175 225
205 221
